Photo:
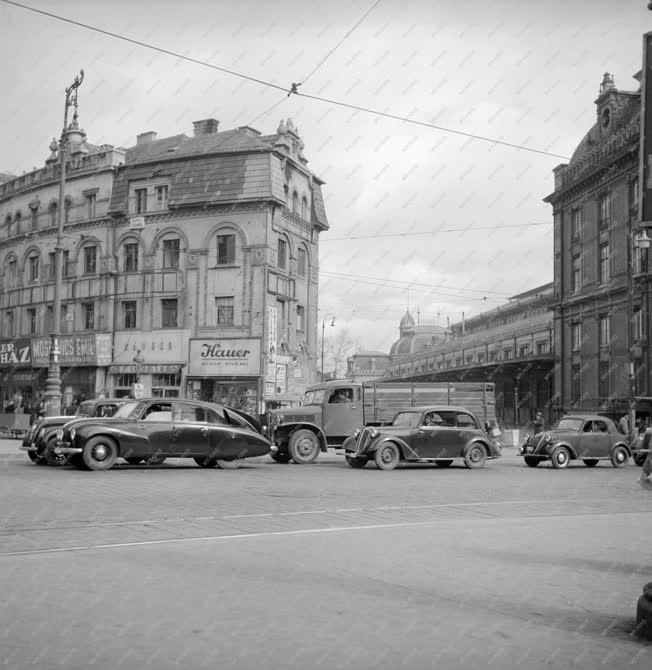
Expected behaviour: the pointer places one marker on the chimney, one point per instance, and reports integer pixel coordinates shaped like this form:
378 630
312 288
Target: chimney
205 127
145 138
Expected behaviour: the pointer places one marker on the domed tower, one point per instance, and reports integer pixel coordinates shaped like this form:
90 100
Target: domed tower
407 325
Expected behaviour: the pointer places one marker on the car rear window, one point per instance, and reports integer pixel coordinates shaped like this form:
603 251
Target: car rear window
465 421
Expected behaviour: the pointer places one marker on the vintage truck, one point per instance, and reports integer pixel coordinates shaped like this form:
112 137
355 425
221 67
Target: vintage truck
333 410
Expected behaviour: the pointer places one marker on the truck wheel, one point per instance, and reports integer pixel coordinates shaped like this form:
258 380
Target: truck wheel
444 463
304 446
532 462
387 456
356 462
475 457
560 458
639 459
619 457
281 456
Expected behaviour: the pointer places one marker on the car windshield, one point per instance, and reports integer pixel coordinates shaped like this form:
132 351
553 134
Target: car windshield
407 419
569 424
129 410
314 397
85 409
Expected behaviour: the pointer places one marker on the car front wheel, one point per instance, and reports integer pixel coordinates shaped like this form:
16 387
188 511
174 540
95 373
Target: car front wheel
590 462
50 457
619 457
560 458
304 446
476 456
387 456
99 453
356 461
532 462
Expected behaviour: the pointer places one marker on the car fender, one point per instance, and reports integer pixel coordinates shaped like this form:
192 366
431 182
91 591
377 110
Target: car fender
404 447
477 440
561 443
287 429
622 444
85 432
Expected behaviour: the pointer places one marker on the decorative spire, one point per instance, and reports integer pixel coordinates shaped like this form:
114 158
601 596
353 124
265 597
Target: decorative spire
281 130
607 83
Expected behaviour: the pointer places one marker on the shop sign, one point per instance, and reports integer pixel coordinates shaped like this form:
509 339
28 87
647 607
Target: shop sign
159 346
144 369
272 329
93 349
224 357
281 385
15 353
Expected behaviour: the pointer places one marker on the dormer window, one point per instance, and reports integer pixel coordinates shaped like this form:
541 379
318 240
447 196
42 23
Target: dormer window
605 117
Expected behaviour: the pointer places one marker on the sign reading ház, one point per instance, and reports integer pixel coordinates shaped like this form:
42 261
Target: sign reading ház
221 358
14 353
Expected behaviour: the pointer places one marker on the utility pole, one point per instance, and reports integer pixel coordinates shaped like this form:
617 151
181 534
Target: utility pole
53 382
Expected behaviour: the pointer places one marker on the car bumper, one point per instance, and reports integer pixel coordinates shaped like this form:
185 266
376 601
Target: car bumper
28 446
66 448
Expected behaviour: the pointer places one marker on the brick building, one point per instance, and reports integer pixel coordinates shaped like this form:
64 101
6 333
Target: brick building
190 264
601 315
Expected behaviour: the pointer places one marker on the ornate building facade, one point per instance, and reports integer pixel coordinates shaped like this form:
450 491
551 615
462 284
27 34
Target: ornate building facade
601 313
190 264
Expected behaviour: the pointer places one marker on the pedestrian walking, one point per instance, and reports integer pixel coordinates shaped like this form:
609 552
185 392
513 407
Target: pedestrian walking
538 422
623 424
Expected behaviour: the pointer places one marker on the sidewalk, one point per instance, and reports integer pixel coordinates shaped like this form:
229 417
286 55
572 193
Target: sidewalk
10 448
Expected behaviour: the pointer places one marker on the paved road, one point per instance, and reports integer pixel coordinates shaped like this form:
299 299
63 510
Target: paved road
321 566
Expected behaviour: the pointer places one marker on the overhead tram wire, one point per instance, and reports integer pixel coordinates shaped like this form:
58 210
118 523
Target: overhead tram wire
289 91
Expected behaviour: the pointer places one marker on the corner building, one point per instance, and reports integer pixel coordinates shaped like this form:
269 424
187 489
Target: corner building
205 280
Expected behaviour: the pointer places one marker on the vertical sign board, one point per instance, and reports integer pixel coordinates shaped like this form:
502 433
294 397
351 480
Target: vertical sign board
645 155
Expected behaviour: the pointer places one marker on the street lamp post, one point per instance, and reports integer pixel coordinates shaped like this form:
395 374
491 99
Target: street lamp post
323 326
53 382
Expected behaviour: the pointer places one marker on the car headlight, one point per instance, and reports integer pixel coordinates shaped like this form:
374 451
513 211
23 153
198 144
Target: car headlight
280 418
72 434
356 432
373 432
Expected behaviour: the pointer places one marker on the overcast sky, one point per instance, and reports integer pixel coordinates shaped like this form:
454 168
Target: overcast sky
524 72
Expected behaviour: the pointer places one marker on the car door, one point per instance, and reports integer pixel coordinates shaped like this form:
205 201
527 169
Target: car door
440 441
342 411
190 429
155 427
601 439
467 426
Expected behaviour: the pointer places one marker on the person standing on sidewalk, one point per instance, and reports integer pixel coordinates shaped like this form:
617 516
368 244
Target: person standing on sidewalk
538 422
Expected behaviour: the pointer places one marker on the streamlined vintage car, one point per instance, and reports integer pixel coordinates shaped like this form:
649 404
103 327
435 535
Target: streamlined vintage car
42 433
589 438
434 434
154 429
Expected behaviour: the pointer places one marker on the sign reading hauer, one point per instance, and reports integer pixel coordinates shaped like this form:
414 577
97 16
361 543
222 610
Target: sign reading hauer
237 357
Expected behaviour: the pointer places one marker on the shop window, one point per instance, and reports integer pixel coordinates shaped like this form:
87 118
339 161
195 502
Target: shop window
88 310
162 197
129 314
122 384
31 320
169 308
224 309
91 200
507 353
140 195
301 319
282 259
171 253
90 260
32 264
301 262
130 257
226 249
166 385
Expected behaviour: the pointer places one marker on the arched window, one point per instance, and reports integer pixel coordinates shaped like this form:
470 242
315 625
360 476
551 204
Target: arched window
304 208
32 268
302 262
34 218
53 213
130 259
8 225
295 203
66 211
18 219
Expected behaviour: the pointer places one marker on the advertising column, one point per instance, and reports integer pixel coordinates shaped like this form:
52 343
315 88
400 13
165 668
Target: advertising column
226 371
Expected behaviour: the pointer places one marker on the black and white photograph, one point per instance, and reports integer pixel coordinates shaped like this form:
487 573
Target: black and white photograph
326 335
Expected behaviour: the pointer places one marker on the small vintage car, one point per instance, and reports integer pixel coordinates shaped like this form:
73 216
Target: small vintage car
154 429
42 433
589 438
434 434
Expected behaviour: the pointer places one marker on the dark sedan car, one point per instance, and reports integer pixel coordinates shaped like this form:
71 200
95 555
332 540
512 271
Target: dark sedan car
423 434
154 429
590 438
42 433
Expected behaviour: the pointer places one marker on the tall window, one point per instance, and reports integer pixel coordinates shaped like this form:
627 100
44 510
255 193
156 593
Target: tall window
605 331
224 308
604 380
576 278
49 318
12 273
51 265
91 200
66 210
171 253
19 221
637 324
34 218
301 262
604 210
605 272
295 203
65 259
507 353
130 257
129 314
281 316
90 260
304 208
33 268
166 385
169 313
161 197
11 326
576 337
576 223
53 214
8 226
633 195
225 249
576 383
141 200
31 320
88 310
65 321
282 253
301 318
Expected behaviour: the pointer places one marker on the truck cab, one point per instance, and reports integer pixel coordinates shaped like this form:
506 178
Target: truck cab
331 412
